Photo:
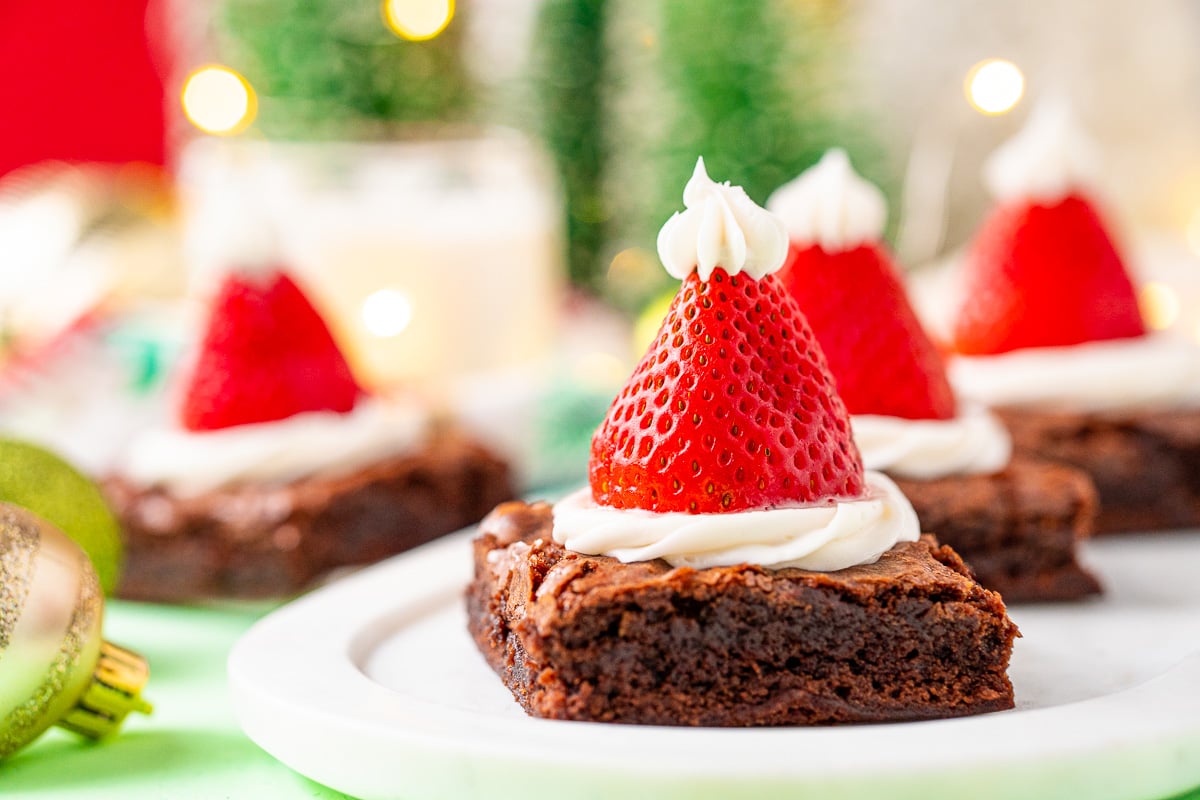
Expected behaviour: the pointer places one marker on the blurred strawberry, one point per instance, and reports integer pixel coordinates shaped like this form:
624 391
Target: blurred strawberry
1044 276
266 355
882 359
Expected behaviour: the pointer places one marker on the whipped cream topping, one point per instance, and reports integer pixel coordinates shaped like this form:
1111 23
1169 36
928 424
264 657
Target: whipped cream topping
1049 159
721 227
974 442
825 537
318 442
829 205
1158 371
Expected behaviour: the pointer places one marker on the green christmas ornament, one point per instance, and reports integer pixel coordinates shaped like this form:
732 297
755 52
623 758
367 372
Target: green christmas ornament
54 667
51 488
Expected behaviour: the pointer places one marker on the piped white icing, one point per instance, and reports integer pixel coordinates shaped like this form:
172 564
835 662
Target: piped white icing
826 537
319 442
831 206
974 442
1050 158
1147 371
721 227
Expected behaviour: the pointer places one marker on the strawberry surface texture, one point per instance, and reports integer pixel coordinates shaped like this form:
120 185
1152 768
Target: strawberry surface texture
732 408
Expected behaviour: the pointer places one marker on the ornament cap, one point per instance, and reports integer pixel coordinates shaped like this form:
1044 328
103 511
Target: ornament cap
114 692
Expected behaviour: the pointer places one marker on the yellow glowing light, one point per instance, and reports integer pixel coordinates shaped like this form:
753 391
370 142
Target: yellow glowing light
1159 304
387 313
218 100
418 20
994 86
1193 232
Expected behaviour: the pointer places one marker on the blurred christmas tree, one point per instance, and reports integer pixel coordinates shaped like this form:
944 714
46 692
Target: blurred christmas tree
337 68
633 91
568 74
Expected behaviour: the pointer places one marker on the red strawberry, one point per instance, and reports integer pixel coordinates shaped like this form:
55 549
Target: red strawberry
732 408
882 359
1044 276
265 356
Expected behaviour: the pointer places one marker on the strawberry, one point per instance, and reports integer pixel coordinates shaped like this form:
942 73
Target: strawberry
1044 276
882 359
731 408
266 355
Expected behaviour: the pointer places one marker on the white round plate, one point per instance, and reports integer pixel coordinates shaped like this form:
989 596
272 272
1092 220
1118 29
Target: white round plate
373 687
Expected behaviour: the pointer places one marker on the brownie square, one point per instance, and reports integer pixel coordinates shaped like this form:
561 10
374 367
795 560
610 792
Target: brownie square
1145 464
580 637
260 540
1017 529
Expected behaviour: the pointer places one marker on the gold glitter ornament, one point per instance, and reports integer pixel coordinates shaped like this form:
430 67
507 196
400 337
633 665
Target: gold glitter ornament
54 667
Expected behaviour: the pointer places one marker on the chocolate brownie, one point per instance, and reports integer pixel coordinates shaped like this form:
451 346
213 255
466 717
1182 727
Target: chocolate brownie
580 637
1145 464
267 541
1017 529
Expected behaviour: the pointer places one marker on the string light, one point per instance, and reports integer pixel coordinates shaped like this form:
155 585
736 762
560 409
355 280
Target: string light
994 86
386 313
418 20
218 100
1159 304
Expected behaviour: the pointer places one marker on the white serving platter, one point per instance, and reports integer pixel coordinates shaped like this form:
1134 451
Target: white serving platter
373 687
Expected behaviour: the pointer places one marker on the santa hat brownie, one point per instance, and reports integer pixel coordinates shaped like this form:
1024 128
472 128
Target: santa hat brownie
843 278
265 354
729 444
732 407
1043 270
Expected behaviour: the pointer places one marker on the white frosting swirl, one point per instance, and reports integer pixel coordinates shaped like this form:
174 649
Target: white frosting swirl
722 227
319 442
974 442
1049 159
825 537
1157 371
831 206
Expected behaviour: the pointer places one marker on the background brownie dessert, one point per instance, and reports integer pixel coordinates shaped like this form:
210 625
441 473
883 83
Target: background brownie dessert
1015 521
280 466
730 562
1050 334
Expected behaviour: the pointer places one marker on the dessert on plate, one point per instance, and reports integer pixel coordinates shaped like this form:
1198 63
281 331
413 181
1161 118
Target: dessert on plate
730 562
280 466
1015 521
1050 335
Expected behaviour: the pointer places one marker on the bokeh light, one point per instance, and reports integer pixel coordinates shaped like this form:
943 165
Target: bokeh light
418 20
1159 304
218 100
994 86
387 313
